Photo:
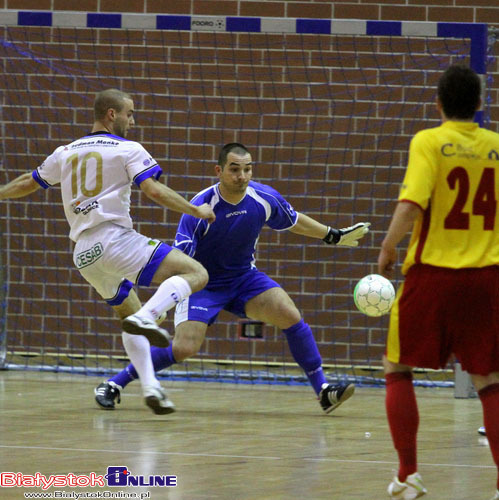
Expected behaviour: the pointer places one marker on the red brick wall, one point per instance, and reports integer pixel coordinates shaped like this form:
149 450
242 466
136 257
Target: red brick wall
344 147
416 10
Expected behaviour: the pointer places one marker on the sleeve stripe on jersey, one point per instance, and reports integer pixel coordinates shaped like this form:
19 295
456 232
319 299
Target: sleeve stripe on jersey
187 239
38 178
198 226
213 202
201 193
185 245
293 224
180 243
153 171
265 204
293 221
413 202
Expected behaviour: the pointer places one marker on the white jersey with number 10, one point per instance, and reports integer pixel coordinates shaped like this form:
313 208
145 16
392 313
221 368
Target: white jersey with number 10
95 173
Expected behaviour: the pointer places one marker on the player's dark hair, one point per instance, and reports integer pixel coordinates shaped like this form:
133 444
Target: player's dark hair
232 147
459 91
110 98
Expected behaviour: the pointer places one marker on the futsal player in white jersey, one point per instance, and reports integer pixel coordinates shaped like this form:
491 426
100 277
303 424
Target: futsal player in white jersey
227 250
95 173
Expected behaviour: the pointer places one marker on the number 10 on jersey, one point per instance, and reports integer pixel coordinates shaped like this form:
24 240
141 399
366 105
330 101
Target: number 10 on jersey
83 170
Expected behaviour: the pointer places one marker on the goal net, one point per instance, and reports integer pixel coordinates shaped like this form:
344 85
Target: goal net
327 110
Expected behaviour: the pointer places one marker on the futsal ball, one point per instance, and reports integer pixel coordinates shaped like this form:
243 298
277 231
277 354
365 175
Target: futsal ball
161 318
374 295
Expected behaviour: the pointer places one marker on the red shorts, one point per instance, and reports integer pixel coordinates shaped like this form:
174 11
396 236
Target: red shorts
440 311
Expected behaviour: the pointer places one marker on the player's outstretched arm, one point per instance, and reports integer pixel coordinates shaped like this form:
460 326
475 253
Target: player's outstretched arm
402 221
347 236
168 198
18 188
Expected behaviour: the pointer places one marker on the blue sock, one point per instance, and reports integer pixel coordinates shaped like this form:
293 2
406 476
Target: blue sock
304 349
161 358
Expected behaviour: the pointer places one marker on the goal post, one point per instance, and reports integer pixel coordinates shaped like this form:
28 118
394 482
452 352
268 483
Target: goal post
3 311
327 109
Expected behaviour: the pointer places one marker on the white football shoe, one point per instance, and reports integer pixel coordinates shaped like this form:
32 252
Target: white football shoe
138 325
410 489
157 399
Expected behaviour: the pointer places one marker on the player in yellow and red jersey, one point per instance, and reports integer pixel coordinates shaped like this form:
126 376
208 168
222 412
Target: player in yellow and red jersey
449 301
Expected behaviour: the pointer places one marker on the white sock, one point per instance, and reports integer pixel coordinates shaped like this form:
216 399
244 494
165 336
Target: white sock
139 352
168 295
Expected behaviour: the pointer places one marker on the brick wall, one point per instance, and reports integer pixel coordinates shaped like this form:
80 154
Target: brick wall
417 10
319 115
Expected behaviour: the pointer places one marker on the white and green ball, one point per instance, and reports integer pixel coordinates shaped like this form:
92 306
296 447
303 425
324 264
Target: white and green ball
374 295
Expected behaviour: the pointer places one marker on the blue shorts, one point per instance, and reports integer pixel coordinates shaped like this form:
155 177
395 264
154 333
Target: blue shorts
231 296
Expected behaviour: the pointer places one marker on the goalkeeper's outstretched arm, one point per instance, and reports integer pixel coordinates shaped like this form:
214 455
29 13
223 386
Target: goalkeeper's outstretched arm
18 188
347 236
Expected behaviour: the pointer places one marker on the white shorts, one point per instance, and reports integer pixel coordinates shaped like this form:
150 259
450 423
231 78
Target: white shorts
113 258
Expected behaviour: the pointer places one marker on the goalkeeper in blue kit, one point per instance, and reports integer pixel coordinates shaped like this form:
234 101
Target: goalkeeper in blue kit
226 248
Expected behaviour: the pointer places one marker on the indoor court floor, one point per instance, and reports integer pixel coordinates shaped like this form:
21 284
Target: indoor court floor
233 442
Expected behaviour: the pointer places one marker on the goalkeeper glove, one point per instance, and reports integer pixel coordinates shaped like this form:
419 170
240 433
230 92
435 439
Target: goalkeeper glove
348 236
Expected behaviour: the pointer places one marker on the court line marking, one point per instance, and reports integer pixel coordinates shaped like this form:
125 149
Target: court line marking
248 457
396 463
218 455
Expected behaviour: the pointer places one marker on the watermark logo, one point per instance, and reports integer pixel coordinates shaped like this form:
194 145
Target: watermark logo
121 476
117 476
20 480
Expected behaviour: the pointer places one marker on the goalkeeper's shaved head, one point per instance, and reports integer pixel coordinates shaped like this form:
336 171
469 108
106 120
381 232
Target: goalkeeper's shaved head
232 147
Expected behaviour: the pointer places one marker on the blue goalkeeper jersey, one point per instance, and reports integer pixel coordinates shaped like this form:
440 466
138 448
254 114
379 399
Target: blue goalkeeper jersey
226 248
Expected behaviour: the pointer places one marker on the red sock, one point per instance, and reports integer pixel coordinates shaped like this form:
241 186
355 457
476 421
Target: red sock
489 396
403 419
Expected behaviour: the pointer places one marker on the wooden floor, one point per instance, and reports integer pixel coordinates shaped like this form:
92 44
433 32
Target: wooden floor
235 442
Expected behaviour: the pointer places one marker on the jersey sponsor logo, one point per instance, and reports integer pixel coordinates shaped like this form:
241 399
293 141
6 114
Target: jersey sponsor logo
106 142
493 155
148 162
84 210
95 142
237 212
458 150
200 308
84 259
447 150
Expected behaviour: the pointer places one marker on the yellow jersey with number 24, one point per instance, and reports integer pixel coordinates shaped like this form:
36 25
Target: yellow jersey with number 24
453 175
